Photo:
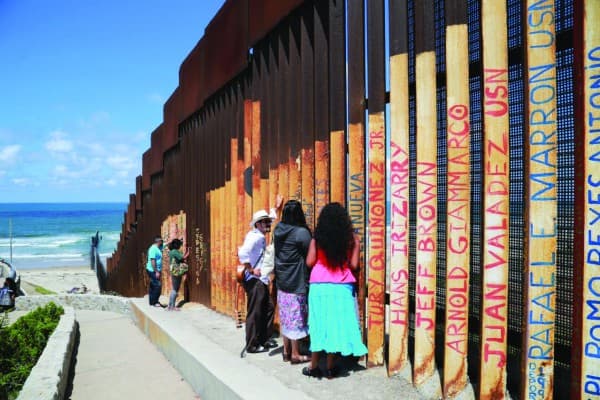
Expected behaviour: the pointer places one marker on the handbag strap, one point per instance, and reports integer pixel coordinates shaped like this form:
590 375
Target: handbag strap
262 253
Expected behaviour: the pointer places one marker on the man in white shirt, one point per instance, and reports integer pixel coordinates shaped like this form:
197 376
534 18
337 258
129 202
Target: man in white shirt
260 308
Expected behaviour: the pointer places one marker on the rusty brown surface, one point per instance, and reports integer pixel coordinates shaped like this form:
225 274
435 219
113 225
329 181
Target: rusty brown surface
284 107
356 138
376 186
308 191
171 116
221 63
263 15
337 150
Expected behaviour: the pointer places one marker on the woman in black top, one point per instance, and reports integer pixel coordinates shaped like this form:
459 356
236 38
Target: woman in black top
291 239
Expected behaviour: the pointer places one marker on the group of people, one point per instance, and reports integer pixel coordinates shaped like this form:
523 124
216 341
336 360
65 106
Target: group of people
314 277
154 270
316 287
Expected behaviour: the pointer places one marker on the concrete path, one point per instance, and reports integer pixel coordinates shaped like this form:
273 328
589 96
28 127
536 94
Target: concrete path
115 360
205 347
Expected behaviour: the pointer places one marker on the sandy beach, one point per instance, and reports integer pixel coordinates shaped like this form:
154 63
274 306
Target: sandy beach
58 279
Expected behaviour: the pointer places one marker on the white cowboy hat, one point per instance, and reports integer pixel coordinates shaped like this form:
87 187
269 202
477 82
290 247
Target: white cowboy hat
259 215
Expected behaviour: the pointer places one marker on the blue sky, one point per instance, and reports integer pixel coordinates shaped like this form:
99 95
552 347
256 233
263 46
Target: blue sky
82 86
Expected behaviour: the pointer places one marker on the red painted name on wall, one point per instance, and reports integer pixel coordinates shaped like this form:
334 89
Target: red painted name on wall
425 300
399 175
495 308
457 309
399 181
376 239
458 178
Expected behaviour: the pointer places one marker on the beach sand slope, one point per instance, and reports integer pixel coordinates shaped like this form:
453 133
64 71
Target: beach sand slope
58 279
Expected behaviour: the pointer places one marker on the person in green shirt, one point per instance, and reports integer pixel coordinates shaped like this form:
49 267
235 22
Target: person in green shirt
176 258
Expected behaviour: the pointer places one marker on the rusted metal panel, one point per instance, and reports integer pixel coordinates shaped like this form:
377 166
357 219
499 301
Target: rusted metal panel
398 250
306 124
337 99
138 193
270 126
203 215
264 15
356 139
287 177
321 104
541 194
256 154
146 170
495 248
152 158
211 199
458 210
171 110
294 83
248 141
221 63
191 75
131 211
376 188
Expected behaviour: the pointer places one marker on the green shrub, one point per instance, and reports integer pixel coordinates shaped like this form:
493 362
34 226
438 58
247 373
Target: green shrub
21 345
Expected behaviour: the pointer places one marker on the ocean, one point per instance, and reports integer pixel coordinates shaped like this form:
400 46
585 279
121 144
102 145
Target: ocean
58 234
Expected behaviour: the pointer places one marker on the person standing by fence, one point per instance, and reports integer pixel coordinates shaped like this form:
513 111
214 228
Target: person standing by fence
260 308
332 311
291 239
154 268
178 269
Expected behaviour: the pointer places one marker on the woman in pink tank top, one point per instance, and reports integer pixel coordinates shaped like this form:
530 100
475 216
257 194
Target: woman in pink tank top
332 313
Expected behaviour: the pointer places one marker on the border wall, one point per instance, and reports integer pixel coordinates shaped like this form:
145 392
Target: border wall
461 135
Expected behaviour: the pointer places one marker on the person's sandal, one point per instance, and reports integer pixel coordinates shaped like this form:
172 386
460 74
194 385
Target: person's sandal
330 373
314 372
300 360
286 357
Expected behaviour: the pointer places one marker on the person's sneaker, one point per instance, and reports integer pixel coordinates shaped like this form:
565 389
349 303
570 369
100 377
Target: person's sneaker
256 349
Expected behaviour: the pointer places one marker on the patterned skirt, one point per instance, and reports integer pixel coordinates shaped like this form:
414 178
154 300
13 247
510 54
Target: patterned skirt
293 313
333 319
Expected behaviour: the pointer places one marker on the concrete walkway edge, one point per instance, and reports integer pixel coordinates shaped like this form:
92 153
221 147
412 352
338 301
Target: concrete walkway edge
211 371
49 377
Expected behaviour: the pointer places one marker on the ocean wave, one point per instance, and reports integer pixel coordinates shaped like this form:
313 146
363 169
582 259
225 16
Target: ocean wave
53 256
56 240
46 242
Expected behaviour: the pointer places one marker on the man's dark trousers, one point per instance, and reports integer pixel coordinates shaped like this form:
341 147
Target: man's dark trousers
154 290
260 313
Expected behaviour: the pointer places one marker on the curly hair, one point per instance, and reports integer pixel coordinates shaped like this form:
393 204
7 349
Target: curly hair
334 234
293 214
175 244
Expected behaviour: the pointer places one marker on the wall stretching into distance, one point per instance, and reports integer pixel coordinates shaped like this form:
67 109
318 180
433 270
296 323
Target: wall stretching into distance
466 153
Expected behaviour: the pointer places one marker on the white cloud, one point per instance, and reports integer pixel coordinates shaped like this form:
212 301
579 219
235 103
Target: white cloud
121 163
9 154
95 148
20 181
61 170
58 143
